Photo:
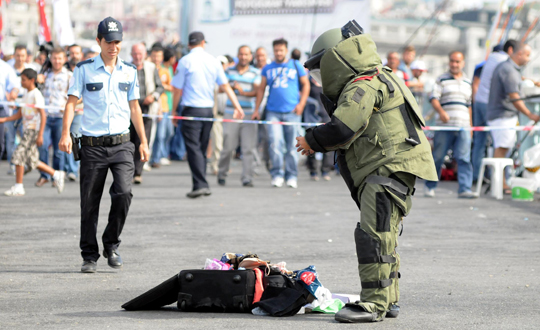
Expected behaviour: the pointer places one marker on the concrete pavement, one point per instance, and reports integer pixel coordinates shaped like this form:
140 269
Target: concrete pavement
466 264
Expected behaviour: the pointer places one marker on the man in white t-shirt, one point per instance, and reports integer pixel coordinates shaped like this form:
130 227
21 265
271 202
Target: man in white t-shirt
26 155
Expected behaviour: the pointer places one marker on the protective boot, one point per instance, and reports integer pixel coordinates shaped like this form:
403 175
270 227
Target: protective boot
354 313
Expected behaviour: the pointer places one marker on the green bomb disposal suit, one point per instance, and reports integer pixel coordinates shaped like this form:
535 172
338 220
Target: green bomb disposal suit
376 132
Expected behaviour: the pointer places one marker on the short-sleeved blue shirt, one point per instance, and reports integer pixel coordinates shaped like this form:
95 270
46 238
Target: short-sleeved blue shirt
106 96
8 80
196 75
283 80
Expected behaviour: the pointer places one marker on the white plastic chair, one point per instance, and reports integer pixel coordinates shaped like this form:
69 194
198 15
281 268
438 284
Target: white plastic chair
498 165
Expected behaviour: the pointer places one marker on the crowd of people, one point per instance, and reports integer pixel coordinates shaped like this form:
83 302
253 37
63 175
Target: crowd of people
248 86
491 98
251 86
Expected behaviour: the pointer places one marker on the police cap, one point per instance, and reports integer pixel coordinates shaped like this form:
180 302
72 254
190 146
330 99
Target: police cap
110 29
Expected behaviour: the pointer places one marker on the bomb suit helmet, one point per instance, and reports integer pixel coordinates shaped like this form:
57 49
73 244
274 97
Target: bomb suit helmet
326 41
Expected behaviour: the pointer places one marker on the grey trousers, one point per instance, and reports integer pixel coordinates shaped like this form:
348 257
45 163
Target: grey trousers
235 134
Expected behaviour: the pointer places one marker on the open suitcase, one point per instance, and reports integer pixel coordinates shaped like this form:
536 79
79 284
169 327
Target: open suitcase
216 291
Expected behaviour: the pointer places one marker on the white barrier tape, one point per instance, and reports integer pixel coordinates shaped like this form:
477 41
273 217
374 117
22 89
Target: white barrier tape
266 122
17 104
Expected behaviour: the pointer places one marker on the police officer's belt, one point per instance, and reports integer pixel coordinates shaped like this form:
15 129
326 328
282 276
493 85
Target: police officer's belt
105 141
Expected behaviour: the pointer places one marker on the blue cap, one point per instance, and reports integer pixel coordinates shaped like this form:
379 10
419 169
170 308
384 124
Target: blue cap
110 29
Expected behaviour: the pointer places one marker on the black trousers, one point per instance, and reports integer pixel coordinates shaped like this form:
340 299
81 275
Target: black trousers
95 164
327 163
134 137
196 136
3 113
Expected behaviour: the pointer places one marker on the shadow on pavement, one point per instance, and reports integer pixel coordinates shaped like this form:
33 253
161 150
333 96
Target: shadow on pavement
174 313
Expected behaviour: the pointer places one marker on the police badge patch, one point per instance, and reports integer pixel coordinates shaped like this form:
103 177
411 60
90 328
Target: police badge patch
113 26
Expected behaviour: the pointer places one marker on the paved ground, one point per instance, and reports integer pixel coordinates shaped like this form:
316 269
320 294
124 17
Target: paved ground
465 264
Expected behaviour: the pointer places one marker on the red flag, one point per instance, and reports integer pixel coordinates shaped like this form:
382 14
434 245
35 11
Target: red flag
44 33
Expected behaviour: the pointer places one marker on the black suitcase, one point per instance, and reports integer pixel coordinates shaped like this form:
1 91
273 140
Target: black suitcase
216 291
164 294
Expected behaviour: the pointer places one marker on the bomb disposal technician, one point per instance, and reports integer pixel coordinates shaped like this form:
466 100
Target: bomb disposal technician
375 129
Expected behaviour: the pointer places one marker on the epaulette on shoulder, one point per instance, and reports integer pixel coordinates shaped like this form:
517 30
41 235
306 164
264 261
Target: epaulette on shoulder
129 64
90 60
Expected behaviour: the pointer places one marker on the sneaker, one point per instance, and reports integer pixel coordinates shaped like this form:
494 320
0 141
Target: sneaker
326 177
221 182
292 183
147 167
164 162
137 179
60 181
15 192
467 194
247 184
314 177
429 193
277 182
72 177
155 165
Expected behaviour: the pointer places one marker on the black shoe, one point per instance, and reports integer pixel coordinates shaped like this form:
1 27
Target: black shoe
393 311
355 314
113 258
247 184
221 182
199 192
88 266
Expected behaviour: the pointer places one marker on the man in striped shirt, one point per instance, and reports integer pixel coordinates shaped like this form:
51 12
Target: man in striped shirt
451 99
244 80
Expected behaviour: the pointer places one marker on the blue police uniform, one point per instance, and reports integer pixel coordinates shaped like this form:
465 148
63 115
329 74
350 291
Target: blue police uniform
197 74
105 145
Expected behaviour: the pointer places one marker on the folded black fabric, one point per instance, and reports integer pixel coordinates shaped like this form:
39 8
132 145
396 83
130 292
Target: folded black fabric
282 296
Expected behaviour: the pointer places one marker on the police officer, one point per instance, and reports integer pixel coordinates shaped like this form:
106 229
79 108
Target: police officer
110 90
375 129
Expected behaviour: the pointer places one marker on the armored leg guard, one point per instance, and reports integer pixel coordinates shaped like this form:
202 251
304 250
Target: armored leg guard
383 202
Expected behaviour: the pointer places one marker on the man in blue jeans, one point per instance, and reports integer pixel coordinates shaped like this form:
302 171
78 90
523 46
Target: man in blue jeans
55 94
9 89
288 92
451 99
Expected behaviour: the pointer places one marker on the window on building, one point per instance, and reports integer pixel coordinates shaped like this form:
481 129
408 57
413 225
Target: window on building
481 42
392 29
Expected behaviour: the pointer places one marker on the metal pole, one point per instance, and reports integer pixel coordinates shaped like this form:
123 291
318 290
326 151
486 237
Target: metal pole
185 11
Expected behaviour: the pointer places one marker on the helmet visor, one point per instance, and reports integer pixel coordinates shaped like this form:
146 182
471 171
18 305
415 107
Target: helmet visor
315 60
316 75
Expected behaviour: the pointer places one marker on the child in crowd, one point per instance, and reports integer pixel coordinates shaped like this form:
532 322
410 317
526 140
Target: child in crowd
26 156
